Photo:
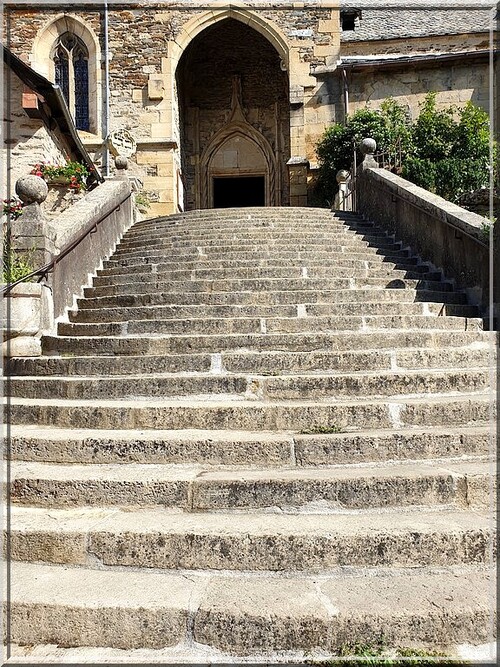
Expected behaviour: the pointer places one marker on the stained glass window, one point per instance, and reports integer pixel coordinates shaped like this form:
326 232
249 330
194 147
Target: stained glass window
71 63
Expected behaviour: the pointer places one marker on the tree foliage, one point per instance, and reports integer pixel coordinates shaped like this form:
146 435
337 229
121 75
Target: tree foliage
446 151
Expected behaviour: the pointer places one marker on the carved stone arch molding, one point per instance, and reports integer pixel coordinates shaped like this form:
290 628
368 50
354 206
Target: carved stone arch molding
248 153
42 61
255 158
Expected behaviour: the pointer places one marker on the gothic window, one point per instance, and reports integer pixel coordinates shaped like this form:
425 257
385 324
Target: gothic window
71 63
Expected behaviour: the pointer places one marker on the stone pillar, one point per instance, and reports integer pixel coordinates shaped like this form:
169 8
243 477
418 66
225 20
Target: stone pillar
297 169
27 233
121 164
368 147
342 201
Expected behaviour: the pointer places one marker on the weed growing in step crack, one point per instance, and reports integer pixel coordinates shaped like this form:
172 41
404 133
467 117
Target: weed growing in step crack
379 654
323 430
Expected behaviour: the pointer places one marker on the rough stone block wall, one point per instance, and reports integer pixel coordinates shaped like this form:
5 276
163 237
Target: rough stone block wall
453 85
26 140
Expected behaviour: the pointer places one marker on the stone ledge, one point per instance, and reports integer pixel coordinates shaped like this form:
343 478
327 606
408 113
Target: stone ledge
451 214
95 205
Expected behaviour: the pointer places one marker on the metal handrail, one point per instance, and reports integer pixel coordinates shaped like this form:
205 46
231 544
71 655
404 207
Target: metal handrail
47 268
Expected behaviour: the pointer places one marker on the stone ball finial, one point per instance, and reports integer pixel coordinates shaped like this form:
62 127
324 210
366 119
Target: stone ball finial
121 162
368 146
31 189
342 176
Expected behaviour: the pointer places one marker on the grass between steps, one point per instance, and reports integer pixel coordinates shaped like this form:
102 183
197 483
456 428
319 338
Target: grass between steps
379 654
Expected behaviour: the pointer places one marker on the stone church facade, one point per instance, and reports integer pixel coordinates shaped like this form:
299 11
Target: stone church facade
225 102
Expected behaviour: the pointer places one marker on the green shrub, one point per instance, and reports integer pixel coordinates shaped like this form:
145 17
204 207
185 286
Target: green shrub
16 265
446 151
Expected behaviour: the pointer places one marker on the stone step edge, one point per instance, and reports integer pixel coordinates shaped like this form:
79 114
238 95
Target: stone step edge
229 401
248 375
256 541
249 448
181 434
79 606
193 653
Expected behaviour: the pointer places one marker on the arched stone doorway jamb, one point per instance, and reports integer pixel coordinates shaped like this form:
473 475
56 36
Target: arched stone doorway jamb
247 132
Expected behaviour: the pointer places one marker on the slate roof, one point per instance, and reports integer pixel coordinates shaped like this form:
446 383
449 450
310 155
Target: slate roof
390 19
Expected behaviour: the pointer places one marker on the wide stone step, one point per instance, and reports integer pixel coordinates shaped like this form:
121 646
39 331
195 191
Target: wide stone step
240 414
258 245
273 237
266 363
193 488
257 235
244 325
143 271
314 385
197 311
278 298
256 256
81 606
258 542
290 285
294 292
232 273
155 281
90 445
154 345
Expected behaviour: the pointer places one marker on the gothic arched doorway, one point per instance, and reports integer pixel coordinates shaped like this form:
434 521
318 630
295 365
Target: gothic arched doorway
235 120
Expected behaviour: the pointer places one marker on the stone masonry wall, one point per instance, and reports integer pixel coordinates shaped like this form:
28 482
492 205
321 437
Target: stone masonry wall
453 85
25 139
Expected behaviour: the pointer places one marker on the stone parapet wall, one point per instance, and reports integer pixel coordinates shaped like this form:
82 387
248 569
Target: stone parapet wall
95 225
107 210
443 233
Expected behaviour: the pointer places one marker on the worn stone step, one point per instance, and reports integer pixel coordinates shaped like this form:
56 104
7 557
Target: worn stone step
313 385
200 654
280 224
192 488
91 445
256 542
268 246
224 254
244 325
197 311
82 606
275 298
155 280
214 447
331 341
271 237
247 271
282 285
245 414
266 363
141 271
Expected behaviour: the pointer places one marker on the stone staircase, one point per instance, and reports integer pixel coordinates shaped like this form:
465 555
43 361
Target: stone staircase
264 434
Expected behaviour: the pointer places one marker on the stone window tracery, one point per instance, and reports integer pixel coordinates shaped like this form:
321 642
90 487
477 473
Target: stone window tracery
71 66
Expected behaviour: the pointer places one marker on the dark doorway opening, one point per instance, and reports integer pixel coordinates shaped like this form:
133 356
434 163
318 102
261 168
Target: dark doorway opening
239 191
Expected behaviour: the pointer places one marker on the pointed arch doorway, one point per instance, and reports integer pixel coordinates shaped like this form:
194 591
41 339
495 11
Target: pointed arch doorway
234 117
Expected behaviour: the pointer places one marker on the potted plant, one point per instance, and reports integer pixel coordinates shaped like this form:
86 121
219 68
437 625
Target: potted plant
71 174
